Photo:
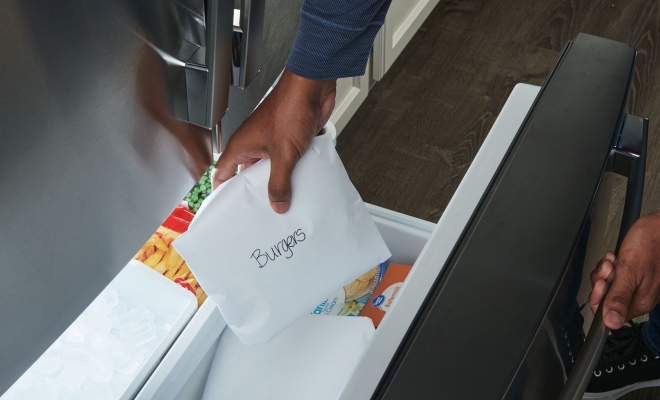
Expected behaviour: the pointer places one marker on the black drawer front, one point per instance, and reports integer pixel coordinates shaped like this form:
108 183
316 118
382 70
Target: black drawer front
480 319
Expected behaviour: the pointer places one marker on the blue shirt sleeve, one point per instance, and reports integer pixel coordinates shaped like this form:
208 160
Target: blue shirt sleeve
335 37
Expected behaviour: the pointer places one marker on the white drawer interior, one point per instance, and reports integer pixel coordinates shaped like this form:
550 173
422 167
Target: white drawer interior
183 371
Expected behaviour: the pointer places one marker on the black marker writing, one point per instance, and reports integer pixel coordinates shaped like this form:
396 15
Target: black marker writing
282 248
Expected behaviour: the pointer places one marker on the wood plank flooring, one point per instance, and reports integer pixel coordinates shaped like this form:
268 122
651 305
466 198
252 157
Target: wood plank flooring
412 140
410 143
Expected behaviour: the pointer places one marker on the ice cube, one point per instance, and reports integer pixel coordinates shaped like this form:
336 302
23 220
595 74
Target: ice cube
99 368
137 326
98 323
109 296
77 331
42 389
63 393
75 352
85 392
120 309
138 332
126 361
102 304
104 343
79 394
120 383
115 321
164 324
136 313
102 391
72 376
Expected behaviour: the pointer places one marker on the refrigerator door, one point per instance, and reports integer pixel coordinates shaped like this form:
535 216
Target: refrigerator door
91 156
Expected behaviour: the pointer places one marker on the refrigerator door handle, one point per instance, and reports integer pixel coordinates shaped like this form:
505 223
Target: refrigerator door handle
192 39
247 42
207 71
628 158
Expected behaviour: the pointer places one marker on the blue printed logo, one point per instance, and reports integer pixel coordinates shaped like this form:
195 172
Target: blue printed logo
378 300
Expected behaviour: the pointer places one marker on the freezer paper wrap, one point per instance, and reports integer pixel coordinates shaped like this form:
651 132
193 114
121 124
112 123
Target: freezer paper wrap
266 270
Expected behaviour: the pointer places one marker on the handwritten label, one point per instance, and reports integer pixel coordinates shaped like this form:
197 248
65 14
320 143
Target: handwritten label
282 248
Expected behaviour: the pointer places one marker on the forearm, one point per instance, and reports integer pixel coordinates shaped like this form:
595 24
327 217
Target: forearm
335 37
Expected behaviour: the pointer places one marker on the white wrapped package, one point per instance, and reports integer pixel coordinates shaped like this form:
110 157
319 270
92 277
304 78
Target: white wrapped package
313 359
266 270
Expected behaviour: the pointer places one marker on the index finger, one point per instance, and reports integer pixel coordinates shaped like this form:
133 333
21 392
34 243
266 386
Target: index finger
602 271
618 299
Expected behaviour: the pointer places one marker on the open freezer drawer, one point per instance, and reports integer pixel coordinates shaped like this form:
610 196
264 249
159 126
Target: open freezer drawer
485 277
183 371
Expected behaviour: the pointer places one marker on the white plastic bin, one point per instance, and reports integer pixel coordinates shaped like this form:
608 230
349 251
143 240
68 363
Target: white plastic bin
135 285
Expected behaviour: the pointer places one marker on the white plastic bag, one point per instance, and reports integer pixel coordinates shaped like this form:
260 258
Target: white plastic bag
266 270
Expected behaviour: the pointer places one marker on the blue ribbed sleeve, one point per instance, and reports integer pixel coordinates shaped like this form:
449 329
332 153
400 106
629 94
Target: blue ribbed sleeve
335 37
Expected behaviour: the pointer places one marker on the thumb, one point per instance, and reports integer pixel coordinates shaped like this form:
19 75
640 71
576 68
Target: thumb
224 169
618 300
279 184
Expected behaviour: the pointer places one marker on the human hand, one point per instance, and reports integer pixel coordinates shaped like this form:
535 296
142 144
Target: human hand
636 287
281 128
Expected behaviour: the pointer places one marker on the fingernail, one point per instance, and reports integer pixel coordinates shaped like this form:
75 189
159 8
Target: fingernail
280 206
614 318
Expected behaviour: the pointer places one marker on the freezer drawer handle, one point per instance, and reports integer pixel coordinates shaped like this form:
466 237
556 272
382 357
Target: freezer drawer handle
628 158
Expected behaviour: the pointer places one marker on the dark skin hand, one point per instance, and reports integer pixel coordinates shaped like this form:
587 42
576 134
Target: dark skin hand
281 128
635 290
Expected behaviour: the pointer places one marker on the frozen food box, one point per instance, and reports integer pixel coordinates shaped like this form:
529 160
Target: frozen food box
385 294
350 299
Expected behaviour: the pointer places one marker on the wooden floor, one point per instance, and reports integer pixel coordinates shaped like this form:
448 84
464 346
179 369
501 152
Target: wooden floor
412 140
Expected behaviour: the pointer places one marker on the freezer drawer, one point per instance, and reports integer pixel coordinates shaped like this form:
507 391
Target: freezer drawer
183 371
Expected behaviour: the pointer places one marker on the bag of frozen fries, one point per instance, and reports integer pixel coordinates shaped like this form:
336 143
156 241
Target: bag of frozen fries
159 254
